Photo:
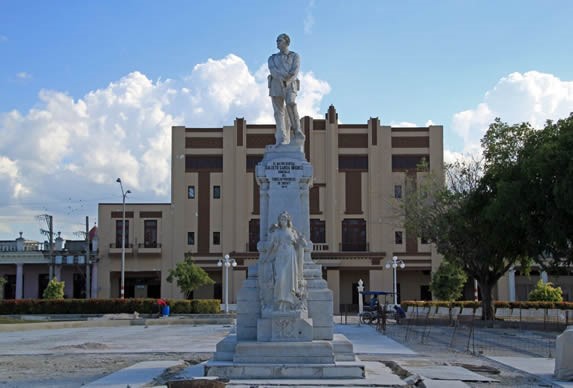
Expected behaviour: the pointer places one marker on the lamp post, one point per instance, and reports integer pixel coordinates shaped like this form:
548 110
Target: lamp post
226 262
122 287
394 264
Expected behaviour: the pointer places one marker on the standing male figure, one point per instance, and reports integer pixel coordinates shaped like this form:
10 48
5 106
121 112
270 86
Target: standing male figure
283 86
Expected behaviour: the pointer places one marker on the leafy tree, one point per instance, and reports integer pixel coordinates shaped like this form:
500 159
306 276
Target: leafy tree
448 281
513 208
546 170
545 292
54 290
461 219
530 173
189 276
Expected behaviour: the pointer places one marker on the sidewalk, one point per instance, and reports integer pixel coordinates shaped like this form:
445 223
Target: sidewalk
388 358
118 320
541 367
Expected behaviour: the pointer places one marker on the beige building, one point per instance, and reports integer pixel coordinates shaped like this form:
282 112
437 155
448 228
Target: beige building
360 175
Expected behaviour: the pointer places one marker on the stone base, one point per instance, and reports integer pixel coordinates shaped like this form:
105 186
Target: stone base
339 370
314 359
316 352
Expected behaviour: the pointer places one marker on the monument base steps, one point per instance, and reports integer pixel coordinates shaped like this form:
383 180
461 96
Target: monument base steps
338 370
285 360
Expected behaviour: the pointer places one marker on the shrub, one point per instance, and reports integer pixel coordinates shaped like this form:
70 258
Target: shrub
205 306
448 281
545 292
54 290
104 306
180 306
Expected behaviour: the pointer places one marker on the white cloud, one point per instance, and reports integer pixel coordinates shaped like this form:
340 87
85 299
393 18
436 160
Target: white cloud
23 75
309 18
10 178
403 124
409 124
532 96
66 151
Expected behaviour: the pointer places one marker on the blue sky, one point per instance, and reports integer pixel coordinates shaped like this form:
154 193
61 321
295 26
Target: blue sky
89 89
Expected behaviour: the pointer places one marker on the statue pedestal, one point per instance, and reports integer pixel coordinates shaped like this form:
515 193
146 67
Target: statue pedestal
564 355
298 342
284 329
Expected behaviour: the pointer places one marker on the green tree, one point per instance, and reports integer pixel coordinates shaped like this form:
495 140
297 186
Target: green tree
546 171
513 208
530 173
54 290
189 276
448 281
460 219
545 292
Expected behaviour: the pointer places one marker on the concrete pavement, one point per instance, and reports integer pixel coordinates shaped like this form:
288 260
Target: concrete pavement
203 339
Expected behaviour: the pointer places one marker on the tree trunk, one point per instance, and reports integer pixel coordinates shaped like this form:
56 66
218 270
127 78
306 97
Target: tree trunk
487 306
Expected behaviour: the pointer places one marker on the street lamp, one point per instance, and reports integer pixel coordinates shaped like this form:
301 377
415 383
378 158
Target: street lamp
226 263
394 264
122 287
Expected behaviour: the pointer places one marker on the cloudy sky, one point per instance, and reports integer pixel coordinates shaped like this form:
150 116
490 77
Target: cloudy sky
89 90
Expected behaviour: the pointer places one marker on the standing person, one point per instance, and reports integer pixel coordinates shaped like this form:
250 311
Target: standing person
283 87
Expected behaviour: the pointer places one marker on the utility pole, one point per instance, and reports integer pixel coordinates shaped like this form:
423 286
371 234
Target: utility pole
88 265
49 220
87 278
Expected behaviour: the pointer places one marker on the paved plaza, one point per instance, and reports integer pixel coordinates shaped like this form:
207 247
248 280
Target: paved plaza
137 355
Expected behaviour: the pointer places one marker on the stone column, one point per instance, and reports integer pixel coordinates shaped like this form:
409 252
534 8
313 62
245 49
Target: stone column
360 289
19 281
544 277
511 284
94 281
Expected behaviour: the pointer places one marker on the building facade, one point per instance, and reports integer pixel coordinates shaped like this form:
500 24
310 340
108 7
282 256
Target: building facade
360 175
28 265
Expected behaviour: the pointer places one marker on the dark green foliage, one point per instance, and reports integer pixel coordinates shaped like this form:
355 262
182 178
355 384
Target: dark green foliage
104 306
448 281
497 304
2 282
513 208
189 276
545 292
206 306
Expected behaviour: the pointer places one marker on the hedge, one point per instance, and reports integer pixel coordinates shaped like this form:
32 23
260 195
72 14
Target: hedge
496 304
106 306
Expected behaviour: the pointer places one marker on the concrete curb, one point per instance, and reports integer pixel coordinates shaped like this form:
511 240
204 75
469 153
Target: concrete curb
11 327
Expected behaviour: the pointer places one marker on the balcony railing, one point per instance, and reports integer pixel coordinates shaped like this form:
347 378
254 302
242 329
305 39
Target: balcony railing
354 247
118 245
319 247
150 244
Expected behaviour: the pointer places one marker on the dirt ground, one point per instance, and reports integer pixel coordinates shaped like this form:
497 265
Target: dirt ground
74 365
75 370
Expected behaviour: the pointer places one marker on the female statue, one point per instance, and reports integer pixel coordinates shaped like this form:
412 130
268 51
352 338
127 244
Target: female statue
285 254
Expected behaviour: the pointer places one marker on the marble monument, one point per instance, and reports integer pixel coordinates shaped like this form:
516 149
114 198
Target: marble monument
284 309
